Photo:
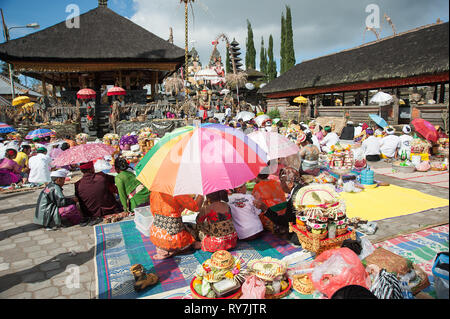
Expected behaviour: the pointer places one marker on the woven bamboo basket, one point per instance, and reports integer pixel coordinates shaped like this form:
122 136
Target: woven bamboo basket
342 231
320 245
303 284
317 236
281 294
301 225
236 295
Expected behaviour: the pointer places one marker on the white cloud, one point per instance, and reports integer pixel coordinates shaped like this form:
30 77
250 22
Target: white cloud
320 26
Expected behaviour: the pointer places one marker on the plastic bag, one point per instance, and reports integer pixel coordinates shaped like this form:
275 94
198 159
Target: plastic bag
337 268
367 248
253 288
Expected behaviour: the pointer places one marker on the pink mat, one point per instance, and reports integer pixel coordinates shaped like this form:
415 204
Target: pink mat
435 178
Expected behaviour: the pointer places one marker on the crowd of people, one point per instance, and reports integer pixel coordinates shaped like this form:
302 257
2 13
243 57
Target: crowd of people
224 217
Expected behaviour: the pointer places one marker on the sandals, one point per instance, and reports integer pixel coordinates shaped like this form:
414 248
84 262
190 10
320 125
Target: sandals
142 280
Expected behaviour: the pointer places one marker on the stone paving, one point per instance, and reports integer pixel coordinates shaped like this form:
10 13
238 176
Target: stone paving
39 264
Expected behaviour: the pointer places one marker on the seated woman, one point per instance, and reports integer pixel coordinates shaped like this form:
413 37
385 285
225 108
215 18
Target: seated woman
245 214
53 209
215 224
291 184
10 171
131 192
309 155
168 233
272 195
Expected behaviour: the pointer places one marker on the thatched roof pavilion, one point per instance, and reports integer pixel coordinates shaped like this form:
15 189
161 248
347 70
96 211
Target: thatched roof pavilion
413 57
105 45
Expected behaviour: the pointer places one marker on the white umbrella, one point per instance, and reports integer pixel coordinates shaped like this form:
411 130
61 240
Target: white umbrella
249 86
262 85
382 98
225 91
245 116
261 118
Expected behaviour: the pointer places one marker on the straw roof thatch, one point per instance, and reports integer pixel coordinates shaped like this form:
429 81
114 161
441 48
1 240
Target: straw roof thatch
423 51
103 35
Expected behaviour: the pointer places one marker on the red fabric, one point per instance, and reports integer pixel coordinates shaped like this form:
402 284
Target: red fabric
87 165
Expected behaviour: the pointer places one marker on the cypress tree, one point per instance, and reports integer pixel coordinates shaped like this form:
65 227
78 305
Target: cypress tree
289 44
250 55
271 65
263 58
283 44
228 66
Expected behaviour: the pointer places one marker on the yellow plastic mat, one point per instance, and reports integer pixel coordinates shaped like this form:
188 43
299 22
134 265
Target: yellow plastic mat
389 201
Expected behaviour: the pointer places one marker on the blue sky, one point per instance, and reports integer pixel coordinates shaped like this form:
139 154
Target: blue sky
320 26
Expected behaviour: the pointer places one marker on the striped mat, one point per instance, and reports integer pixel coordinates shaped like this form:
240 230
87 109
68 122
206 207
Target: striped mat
435 178
421 248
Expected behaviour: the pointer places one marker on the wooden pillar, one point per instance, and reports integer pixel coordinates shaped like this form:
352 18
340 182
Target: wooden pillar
442 93
435 94
127 82
343 98
120 78
367 97
396 106
44 85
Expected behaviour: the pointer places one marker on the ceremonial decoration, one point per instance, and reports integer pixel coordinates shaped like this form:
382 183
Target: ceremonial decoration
219 277
273 272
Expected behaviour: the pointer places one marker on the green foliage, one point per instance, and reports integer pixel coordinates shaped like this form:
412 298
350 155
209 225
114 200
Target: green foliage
271 64
228 65
274 113
263 58
289 44
250 55
283 45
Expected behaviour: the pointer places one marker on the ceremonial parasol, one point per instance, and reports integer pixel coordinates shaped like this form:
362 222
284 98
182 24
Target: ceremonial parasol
301 100
426 129
245 116
249 86
274 144
378 120
225 91
261 118
5 128
86 94
20 100
382 98
116 91
201 160
83 153
41 132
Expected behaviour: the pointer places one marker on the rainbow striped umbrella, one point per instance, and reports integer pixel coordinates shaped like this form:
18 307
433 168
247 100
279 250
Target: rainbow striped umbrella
201 160
41 132
5 128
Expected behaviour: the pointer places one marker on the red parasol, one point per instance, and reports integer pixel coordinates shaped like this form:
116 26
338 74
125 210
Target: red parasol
83 153
426 129
86 94
116 91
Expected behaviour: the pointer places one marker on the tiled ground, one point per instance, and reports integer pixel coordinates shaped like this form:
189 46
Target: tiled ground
36 264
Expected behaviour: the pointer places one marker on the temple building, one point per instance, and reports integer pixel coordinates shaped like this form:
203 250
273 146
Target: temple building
106 49
412 66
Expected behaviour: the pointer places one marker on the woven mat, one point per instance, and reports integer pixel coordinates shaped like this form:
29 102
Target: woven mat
121 245
421 248
434 178
4 190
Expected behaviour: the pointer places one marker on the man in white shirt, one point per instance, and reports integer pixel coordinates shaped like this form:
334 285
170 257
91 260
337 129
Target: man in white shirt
389 144
40 166
371 147
330 139
405 141
244 213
